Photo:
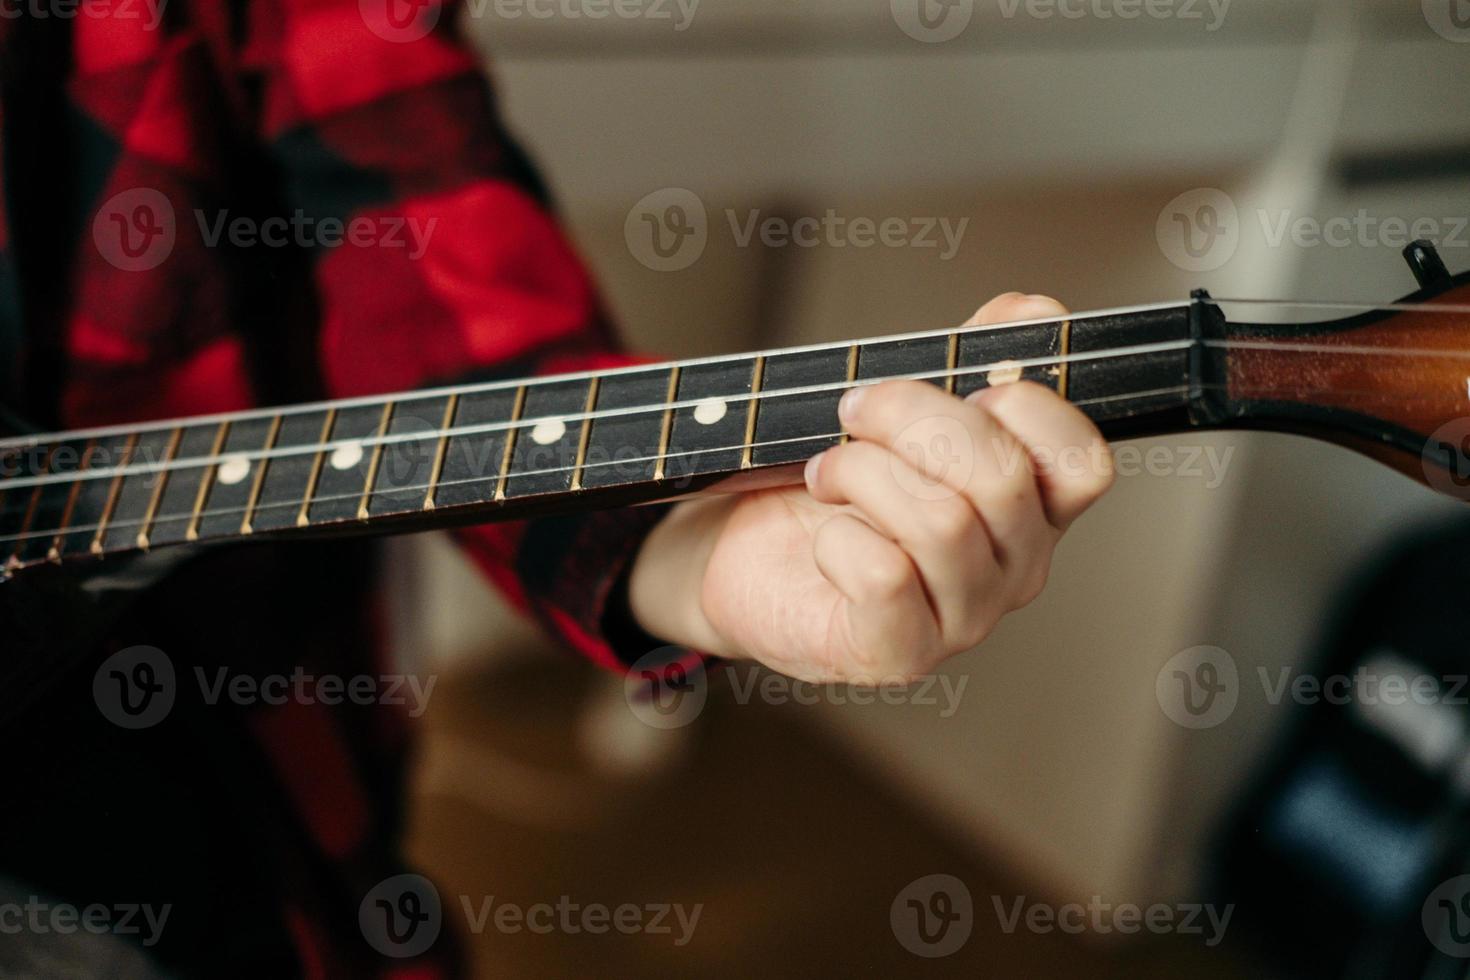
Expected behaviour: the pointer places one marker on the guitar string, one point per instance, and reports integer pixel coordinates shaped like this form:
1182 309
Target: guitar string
473 388
526 424
423 488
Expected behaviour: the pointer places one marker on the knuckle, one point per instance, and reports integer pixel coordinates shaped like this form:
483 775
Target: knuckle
887 578
949 519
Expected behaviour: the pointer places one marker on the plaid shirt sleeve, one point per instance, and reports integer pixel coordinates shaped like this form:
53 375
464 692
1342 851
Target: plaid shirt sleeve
460 273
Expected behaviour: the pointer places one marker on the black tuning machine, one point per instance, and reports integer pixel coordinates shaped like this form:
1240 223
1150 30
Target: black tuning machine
1424 261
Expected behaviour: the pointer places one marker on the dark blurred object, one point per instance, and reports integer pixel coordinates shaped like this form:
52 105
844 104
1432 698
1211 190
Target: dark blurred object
1342 861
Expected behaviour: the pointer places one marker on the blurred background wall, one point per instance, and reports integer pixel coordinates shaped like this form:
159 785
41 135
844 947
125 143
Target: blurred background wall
1069 144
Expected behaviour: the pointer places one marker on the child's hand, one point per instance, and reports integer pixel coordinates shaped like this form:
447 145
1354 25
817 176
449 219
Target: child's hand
905 545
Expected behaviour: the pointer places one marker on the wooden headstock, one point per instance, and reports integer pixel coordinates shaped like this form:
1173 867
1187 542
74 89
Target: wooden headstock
1392 383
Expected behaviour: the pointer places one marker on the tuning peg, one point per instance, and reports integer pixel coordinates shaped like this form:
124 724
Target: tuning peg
1428 268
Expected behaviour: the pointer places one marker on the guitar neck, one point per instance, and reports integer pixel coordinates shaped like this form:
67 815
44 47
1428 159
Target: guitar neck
510 450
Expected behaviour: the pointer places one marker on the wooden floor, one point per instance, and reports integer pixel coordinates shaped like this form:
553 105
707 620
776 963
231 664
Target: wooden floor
793 853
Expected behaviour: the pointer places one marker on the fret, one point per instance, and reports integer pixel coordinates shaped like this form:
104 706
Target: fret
666 426
233 482
544 453
18 507
262 466
206 483
473 461
511 435
88 498
442 450
134 491
318 460
623 449
951 360
706 436
853 354
752 411
114 488
1064 353
792 428
183 492
160 481
997 346
347 471
406 468
51 503
586 434
897 358
376 462
1112 388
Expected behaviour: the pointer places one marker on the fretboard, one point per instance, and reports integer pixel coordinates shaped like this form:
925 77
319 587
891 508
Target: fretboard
509 450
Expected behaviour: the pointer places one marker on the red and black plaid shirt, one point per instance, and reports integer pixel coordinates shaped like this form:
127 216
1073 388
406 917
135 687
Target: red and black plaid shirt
309 111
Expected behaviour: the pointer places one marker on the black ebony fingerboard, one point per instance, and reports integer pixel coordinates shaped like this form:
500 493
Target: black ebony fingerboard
790 428
1131 386
998 355
708 435
629 435
623 445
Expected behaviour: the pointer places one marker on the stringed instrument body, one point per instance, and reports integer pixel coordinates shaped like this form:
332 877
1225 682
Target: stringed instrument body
89 517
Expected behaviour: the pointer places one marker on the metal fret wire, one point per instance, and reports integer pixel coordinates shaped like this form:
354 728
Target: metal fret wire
415 488
423 394
475 388
230 511
424 435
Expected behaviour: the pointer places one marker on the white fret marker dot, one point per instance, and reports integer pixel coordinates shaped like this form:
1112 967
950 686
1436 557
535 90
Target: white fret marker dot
548 431
1004 373
233 470
347 456
710 411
